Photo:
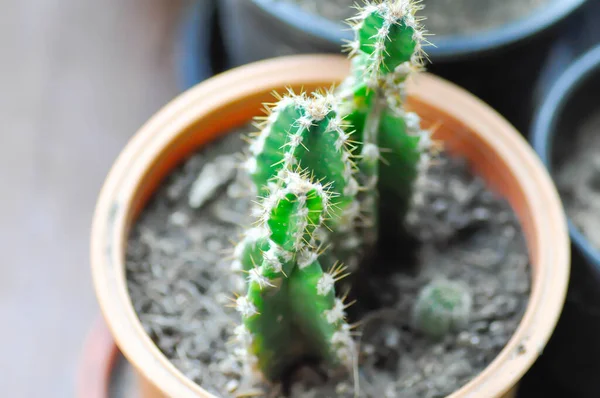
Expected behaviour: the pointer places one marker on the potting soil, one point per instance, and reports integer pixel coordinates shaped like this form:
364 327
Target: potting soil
180 282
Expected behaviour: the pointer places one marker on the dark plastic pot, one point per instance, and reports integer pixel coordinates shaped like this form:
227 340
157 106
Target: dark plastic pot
580 34
573 354
198 47
499 66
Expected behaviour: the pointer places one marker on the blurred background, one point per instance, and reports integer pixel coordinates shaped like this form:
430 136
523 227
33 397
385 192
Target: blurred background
80 77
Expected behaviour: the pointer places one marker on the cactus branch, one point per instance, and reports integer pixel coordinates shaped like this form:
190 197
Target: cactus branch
387 50
290 309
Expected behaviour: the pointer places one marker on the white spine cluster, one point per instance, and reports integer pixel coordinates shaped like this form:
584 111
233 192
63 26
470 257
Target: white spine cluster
306 257
325 284
242 335
344 345
342 342
273 257
255 275
337 313
245 307
349 216
370 155
327 281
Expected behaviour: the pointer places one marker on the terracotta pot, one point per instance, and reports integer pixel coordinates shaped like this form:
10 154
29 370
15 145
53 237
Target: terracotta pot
211 109
571 357
97 362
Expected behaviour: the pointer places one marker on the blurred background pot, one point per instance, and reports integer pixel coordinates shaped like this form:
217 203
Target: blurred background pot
198 43
211 109
500 65
572 355
581 32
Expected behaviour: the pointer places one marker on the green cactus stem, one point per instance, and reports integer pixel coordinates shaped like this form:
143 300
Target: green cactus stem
308 132
442 307
389 35
387 50
290 311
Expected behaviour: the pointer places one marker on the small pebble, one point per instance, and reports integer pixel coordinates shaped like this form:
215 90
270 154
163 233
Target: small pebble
496 327
182 287
390 391
342 388
214 245
463 339
392 338
481 214
479 326
440 206
232 385
213 176
509 232
179 219
368 349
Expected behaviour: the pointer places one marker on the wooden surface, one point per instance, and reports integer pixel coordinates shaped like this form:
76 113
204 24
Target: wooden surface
78 77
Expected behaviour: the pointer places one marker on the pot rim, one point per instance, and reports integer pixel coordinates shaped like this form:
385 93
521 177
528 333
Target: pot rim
115 209
449 47
545 124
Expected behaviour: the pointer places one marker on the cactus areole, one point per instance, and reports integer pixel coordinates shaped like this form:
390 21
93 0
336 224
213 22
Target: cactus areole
320 162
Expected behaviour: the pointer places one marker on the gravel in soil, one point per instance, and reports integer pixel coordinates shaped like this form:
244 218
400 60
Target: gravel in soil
444 17
179 280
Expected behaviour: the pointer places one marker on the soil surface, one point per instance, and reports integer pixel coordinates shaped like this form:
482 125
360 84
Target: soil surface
444 17
578 178
180 283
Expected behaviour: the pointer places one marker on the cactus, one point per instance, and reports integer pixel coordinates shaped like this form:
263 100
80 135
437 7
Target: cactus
317 168
387 50
441 307
291 311
308 132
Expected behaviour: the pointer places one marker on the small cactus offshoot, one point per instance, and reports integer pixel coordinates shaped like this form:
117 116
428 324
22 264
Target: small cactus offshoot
442 307
319 164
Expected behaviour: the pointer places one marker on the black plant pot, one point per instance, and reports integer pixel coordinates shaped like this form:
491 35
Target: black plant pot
499 66
580 34
200 50
572 356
